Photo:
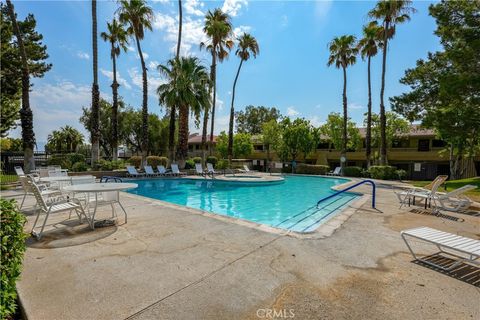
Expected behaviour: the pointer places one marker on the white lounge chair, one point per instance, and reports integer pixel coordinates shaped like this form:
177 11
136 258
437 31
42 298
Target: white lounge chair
335 172
149 171
210 169
409 196
132 172
454 200
53 207
162 171
199 169
176 171
463 249
245 169
19 171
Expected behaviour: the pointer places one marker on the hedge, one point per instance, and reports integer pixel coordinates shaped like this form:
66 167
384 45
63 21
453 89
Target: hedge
79 167
353 171
135 161
383 172
12 250
155 161
213 160
197 160
221 164
189 164
311 169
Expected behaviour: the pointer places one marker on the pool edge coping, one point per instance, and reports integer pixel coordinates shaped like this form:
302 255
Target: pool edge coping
324 230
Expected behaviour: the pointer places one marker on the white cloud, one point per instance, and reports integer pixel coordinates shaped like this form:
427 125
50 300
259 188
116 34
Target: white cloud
238 31
233 7
152 81
152 65
145 56
163 1
131 48
316 121
221 124
83 55
192 7
284 21
292 112
355 106
120 80
322 8
219 103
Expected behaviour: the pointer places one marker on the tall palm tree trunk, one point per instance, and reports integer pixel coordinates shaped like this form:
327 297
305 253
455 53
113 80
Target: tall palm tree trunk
95 132
214 83
182 149
368 139
144 142
232 112
115 86
345 118
383 120
206 113
26 115
179 28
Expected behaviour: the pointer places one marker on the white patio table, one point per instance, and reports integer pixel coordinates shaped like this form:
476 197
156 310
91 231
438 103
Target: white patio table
110 194
63 178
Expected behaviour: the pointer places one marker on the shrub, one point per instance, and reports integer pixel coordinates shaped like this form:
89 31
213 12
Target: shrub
353 171
76 157
59 160
221 164
213 160
109 165
401 174
135 161
189 164
197 159
310 169
79 166
12 250
382 172
154 161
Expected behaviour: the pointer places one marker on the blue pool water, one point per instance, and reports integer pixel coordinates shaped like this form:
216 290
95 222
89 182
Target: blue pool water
288 205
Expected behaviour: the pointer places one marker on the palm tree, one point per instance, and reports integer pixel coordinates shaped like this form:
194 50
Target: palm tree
186 87
26 115
343 52
138 15
118 38
247 45
219 30
391 13
95 130
368 47
171 134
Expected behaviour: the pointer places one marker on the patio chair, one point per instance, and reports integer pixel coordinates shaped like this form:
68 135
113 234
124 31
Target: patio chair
199 170
176 171
149 171
454 200
54 207
132 172
210 169
245 169
335 172
162 171
462 248
19 171
406 197
26 181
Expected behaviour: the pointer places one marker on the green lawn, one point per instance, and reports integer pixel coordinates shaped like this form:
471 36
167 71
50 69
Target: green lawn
455 184
8 178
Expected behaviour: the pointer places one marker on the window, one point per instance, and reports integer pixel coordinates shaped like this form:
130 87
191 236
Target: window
258 147
436 143
323 145
423 145
400 143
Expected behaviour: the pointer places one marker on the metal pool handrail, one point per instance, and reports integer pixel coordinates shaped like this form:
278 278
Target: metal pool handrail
374 188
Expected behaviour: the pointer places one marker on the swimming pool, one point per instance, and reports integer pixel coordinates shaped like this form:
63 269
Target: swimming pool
290 204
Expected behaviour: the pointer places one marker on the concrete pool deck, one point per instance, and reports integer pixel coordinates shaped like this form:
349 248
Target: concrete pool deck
171 262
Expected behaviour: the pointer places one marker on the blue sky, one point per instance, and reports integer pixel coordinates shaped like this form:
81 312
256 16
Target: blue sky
290 73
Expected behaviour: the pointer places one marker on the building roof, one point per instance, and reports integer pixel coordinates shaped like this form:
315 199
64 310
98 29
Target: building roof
415 131
196 138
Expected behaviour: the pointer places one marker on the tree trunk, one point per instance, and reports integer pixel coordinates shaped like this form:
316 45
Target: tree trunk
171 134
26 115
144 143
214 83
115 86
232 113
205 115
368 140
345 119
95 132
179 28
383 120
182 150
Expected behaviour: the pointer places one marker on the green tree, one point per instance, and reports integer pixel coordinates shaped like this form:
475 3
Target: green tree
391 13
296 138
252 119
219 32
242 145
247 45
66 139
271 137
118 38
332 130
94 127
11 65
368 47
343 52
187 87
139 16
445 86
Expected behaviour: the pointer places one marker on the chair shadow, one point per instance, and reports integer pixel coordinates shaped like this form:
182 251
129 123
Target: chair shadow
463 272
69 233
438 215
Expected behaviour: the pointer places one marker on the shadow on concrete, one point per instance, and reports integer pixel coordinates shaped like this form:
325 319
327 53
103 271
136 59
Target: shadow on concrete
69 233
438 215
463 272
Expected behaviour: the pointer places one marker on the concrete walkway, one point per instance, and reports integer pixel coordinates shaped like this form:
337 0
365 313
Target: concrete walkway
171 262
